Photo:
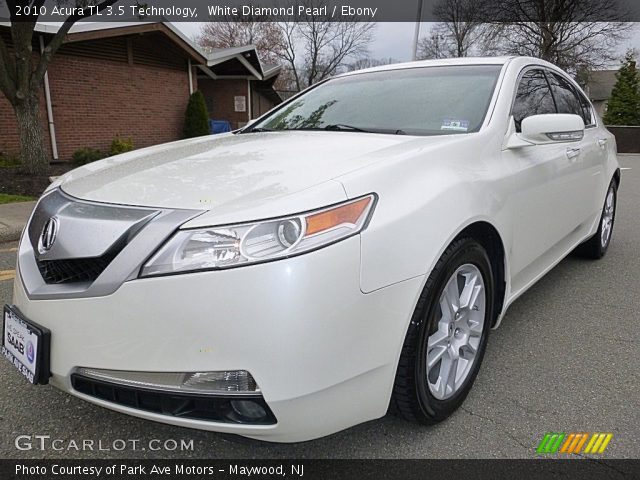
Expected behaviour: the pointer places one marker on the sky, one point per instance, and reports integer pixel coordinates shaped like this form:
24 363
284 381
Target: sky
394 39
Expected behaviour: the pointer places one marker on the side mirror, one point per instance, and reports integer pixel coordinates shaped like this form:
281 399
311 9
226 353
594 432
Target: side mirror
552 128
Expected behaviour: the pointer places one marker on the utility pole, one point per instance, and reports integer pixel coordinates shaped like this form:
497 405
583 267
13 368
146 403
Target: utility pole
416 36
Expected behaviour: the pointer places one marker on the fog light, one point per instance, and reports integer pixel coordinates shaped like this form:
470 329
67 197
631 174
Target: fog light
248 409
204 383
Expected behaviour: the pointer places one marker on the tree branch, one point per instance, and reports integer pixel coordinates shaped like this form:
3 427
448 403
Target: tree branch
58 39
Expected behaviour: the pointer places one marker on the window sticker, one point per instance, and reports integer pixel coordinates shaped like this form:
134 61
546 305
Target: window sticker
456 125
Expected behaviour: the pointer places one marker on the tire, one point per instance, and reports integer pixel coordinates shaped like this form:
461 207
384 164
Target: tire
596 247
418 393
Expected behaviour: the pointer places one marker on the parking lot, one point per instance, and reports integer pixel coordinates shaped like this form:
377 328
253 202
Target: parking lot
566 359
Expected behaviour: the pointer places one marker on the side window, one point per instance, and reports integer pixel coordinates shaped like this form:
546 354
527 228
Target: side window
532 98
566 97
587 109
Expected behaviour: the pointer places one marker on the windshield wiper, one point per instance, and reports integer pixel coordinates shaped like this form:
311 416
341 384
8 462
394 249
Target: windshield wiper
335 127
258 130
342 126
350 128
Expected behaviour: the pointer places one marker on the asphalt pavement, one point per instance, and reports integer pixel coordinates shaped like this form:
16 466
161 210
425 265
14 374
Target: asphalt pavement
566 359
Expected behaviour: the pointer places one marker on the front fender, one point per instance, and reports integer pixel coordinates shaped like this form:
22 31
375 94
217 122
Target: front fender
419 212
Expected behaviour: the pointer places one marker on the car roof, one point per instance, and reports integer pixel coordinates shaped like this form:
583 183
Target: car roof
447 62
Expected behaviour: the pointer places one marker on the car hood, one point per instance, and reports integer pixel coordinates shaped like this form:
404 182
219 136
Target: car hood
230 174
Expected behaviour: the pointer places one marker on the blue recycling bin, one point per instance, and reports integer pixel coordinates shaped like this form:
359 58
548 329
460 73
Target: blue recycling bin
219 126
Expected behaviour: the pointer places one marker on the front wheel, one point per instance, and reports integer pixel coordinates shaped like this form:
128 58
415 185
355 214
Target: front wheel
597 246
447 336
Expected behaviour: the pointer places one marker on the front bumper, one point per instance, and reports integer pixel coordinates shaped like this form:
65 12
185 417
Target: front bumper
323 353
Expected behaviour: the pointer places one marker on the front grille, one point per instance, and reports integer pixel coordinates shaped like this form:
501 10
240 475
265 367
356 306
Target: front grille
75 269
225 409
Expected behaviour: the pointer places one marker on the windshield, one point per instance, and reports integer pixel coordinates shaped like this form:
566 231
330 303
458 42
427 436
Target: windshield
413 101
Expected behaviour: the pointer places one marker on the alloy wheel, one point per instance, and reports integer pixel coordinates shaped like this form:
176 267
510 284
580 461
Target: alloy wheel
607 217
452 348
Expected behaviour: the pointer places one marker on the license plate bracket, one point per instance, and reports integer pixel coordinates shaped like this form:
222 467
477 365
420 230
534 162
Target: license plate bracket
26 345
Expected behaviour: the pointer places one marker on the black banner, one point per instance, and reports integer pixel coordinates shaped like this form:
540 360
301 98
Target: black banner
582 468
324 10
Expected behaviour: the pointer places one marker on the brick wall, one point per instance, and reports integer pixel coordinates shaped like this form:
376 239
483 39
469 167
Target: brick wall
9 142
96 99
219 97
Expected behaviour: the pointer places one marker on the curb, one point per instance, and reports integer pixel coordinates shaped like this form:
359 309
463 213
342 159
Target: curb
9 233
13 218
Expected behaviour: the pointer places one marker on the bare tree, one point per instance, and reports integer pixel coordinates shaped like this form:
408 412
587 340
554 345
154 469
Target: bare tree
368 62
438 44
22 74
577 35
289 55
266 36
311 50
315 48
457 31
460 22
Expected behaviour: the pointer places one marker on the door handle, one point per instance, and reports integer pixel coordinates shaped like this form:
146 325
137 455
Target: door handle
602 142
572 153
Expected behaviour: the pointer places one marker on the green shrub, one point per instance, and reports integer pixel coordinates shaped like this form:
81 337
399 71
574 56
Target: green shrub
87 155
196 121
623 107
120 145
9 161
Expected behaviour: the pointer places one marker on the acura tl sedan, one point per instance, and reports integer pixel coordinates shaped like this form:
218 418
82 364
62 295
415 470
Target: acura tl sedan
347 252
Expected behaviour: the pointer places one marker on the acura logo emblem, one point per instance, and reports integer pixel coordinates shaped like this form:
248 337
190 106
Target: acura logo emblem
48 235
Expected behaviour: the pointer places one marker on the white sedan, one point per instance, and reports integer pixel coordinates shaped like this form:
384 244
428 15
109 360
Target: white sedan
350 249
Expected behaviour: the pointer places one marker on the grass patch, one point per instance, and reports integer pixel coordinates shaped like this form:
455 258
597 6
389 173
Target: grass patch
9 161
6 198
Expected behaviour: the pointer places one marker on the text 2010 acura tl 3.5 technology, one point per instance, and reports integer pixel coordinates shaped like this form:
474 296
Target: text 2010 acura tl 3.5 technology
350 249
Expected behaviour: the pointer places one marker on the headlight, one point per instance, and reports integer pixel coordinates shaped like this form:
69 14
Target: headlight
248 243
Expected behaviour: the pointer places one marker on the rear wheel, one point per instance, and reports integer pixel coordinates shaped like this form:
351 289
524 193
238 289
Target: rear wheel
597 246
447 336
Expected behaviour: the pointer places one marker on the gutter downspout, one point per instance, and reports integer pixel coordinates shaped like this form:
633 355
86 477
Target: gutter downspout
250 106
47 96
190 77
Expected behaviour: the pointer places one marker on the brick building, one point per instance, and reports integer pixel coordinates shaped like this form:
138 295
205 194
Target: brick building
236 86
134 81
